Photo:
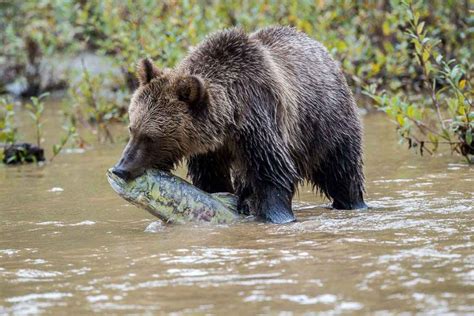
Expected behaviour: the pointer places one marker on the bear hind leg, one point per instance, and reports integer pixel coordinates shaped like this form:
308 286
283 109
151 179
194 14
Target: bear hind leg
342 182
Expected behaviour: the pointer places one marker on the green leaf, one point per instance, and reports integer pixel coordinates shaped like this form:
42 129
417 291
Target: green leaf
32 115
452 105
454 72
410 111
418 46
416 18
11 159
43 95
426 55
386 28
400 120
419 28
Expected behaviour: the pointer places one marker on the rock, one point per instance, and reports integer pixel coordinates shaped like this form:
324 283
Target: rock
22 153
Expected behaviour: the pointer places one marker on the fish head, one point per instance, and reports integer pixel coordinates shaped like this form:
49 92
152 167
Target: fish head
152 191
135 191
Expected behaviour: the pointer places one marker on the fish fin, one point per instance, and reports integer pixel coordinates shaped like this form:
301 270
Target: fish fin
228 199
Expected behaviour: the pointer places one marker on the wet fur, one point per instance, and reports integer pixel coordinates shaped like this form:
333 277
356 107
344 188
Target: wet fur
268 110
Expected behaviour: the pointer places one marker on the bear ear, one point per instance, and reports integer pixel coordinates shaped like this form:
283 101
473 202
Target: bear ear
146 71
192 90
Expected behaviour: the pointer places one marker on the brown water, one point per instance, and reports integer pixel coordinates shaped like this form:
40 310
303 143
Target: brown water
70 244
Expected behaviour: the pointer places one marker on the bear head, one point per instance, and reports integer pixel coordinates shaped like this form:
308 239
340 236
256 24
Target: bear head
163 112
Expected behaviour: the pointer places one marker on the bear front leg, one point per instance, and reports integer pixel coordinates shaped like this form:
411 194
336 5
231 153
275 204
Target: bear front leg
274 204
211 172
270 173
267 201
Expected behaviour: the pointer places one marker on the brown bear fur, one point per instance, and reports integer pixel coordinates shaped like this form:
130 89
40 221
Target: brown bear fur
254 114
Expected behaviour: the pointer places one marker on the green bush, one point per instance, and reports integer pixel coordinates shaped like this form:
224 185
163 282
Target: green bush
380 43
31 31
92 104
8 130
35 110
444 114
366 36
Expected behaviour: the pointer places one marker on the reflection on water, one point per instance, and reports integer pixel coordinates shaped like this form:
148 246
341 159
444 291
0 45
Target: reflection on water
70 244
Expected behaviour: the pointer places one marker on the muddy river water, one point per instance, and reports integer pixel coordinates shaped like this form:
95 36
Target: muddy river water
69 244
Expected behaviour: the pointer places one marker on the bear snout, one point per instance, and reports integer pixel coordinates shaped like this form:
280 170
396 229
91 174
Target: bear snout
127 170
122 173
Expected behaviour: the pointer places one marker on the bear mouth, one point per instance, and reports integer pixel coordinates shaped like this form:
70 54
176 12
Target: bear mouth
167 167
167 161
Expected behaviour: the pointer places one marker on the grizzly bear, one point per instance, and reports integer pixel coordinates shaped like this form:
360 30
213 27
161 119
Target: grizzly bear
254 114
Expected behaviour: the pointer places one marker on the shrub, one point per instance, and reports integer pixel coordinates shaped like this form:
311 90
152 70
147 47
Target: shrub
444 113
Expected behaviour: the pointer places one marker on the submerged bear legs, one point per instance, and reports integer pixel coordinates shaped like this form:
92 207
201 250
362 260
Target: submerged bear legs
341 179
274 204
345 193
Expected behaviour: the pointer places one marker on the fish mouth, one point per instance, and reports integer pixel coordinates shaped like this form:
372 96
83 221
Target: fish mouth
115 182
131 191
134 191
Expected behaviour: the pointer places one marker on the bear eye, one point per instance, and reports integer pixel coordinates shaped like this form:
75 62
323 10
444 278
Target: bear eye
147 139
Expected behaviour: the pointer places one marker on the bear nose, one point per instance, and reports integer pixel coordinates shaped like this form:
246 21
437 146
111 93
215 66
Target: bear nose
121 173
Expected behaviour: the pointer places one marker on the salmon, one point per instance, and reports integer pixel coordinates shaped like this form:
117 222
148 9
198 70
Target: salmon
174 200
